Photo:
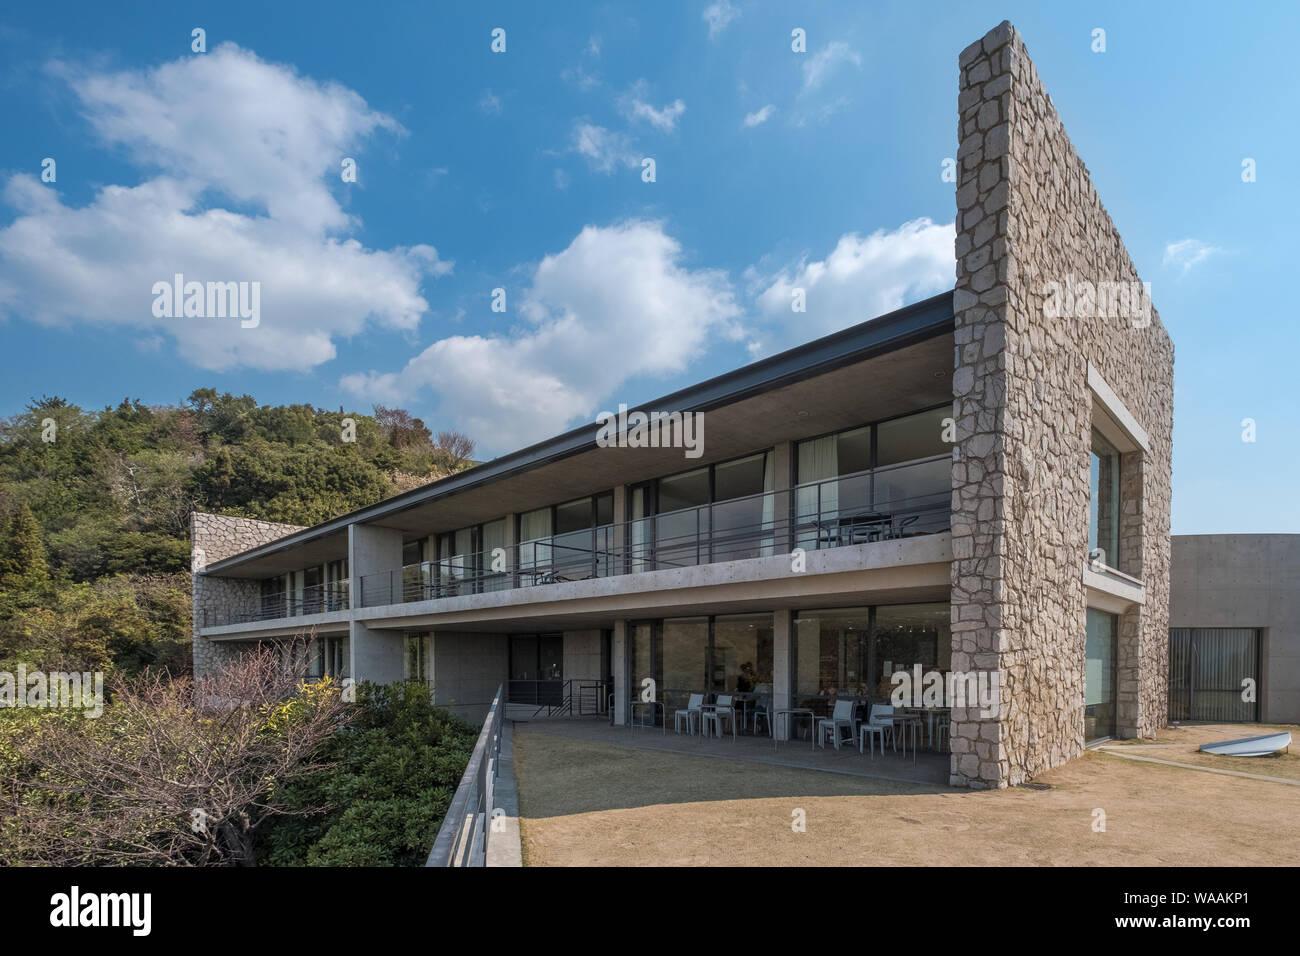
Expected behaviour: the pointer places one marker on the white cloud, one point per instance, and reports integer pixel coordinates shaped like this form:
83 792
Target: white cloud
615 304
862 277
1187 253
579 77
718 16
820 65
593 45
603 149
634 105
224 127
760 116
490 103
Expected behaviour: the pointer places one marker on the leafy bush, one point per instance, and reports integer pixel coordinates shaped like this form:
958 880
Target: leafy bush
395 767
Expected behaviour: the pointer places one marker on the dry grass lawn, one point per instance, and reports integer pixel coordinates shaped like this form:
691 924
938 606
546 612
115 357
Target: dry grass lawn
584 803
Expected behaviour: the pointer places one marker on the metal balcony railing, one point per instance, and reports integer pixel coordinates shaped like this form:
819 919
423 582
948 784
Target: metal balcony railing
896 501
316 599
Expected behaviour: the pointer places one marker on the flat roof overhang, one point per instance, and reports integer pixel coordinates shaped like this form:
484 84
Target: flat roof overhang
887 366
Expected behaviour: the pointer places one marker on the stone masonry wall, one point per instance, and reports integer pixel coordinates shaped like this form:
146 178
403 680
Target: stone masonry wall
215 538
1027 215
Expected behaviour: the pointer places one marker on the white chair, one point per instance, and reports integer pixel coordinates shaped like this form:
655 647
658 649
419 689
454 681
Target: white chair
693 711
721 712
841 716
879 723
942 729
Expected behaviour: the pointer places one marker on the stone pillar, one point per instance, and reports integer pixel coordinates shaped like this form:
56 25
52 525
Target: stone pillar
1030 232
214 538
619 663
782 659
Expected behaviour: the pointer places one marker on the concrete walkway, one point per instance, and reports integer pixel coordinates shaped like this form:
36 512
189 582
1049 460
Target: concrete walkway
503 845
929 768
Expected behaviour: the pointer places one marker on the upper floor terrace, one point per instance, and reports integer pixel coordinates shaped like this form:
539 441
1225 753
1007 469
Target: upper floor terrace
838 443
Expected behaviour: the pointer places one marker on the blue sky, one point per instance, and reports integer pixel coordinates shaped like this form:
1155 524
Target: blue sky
522 170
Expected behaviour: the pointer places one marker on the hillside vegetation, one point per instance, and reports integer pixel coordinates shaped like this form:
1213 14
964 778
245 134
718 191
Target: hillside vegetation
94 509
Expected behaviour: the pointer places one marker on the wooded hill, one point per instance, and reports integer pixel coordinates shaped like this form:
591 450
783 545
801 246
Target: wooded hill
94 509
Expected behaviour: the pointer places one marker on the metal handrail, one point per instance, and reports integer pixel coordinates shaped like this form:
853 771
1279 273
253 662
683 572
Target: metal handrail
316 599
801 516
463 837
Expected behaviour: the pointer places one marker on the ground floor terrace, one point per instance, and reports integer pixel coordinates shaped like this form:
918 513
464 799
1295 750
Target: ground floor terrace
863 676
592 795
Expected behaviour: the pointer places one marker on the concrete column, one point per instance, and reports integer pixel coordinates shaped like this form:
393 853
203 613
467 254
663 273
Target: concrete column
372 550
620 523
782 458
375 655
618 663
782 657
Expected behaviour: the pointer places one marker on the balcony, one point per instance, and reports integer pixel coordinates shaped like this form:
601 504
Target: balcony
317 599
896 501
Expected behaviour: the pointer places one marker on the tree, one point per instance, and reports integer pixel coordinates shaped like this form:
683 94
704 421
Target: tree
175 771
456 447
22 561
402 429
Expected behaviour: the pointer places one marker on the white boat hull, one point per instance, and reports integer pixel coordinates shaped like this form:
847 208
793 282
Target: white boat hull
1250 746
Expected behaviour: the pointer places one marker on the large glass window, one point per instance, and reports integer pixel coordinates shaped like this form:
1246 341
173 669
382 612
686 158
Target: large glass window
1104 500
1099 686
693 655
741 657
894 479
720 512
855 651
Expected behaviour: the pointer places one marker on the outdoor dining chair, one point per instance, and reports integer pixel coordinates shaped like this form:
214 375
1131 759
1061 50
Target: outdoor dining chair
841 716
691 713
721 711
880 721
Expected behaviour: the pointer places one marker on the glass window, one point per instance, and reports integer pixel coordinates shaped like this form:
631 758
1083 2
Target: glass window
912 437
573 516
905 635
687 490
831 655
1104 500
1099 675
741 658
605 509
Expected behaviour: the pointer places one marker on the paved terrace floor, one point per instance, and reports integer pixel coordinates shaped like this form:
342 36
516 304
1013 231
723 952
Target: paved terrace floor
928 768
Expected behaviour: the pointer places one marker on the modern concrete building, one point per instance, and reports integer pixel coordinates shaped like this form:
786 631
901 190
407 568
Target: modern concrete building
1234 619
975 484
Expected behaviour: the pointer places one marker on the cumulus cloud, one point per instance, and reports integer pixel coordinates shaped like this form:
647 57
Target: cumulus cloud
760 116
238 157
862 277
1187 253
615 304
490 103
635 105
718 16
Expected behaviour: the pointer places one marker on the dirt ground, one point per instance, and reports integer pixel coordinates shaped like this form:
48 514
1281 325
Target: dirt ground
1180 746
596 804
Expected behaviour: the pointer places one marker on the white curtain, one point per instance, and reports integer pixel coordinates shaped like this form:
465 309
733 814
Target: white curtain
534 526
768 546
818 460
